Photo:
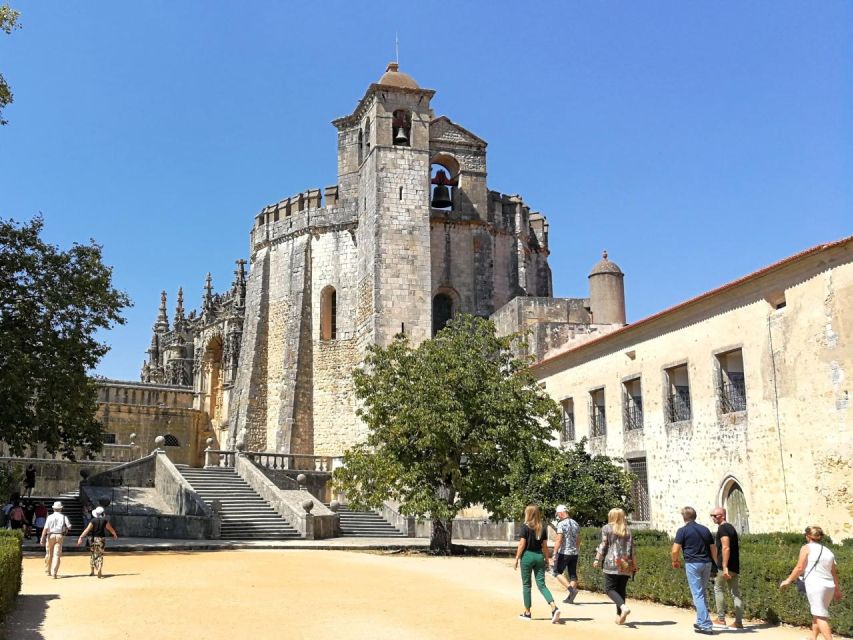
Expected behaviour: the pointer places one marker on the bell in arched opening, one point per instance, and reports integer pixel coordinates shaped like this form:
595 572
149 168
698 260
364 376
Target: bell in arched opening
441 196
401 138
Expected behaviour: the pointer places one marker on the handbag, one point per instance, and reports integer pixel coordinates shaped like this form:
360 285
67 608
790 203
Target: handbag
801 581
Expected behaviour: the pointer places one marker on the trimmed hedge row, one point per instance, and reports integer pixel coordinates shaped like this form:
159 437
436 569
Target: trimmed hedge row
10 569
765 559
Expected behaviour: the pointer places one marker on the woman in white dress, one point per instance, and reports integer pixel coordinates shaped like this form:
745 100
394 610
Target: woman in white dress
817 564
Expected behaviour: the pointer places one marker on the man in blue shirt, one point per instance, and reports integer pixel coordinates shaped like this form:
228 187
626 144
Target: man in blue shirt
697 544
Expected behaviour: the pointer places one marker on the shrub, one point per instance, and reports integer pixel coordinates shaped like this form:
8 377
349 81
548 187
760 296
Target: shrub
10 569
765 559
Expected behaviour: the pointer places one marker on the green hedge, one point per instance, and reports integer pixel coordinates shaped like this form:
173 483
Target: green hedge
10 569
765 560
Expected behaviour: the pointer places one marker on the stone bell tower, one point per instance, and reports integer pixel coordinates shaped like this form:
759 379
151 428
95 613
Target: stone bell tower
384 165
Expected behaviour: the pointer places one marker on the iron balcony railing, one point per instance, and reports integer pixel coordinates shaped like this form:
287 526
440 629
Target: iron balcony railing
598 422
633 414
568 427
733 396
678 407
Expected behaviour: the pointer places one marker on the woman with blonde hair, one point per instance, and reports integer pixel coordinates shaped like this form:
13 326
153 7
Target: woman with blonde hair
534 555
817 565
617 551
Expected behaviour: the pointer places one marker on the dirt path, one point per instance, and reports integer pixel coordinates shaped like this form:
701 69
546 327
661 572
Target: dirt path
315 594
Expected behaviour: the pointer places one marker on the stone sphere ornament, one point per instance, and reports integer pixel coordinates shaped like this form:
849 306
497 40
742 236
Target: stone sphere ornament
209 442
308 505
334 505
159 441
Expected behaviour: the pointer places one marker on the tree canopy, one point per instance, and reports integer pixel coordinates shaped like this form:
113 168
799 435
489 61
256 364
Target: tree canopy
447 422
8 21
52 304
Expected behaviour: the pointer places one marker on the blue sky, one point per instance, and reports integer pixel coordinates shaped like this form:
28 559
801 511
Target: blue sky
694 141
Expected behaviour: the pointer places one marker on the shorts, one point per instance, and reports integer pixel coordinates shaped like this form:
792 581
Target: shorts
565 561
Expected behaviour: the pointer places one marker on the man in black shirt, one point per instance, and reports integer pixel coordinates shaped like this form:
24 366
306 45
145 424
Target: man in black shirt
728 561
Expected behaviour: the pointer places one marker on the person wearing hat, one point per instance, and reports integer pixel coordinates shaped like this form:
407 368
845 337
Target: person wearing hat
566 549
98 529
55 528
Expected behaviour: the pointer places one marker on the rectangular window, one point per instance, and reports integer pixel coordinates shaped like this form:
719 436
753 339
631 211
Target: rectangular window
732 382
109 438
632 404
597 419
640 490
567 433
677 390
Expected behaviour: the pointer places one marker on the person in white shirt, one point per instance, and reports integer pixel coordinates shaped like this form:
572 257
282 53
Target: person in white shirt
55 528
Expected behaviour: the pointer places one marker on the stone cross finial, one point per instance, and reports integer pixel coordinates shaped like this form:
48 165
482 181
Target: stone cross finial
162 323
604 254
179 309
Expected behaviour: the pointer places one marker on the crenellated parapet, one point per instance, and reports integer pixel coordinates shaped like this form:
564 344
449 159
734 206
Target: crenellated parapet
303 213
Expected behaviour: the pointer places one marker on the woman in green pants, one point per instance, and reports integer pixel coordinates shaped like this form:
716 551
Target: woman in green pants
534 555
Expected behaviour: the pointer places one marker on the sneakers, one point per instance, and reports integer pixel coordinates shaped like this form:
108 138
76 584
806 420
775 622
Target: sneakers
524 616
573 593
555 616
706 632
736 625
624 615
720 623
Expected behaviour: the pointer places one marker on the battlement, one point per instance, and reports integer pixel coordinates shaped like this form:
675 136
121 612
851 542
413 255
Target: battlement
511 213
301 213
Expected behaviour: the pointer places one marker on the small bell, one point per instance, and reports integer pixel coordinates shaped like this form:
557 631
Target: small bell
401 137
441 197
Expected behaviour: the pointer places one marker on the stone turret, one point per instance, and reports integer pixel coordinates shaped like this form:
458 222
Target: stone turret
162 324
607 292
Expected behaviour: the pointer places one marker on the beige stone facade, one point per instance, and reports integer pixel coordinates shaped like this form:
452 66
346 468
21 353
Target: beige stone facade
739 397
148 411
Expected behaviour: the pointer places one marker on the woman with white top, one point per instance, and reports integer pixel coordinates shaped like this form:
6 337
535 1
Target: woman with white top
817 566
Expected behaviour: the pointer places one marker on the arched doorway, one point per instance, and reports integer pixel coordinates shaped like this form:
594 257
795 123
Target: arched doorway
734 502
442 312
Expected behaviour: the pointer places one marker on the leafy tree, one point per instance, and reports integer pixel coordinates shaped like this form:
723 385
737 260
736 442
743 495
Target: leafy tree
52 304
590 484
450 423
8 21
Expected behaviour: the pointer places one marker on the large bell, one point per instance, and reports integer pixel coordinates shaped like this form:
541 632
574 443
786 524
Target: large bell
401 137
441 197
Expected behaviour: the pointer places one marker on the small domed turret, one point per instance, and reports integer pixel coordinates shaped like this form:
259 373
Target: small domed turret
393 77
607 292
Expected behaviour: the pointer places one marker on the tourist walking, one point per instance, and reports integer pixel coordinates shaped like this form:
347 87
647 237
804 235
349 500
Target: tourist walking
697 544
566 549
98 529
29 480
40 517
534 555
18 517
728 569
55 528
615 555
818 567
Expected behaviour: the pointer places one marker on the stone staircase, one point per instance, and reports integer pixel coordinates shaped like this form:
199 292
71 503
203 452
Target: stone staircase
366 524
245 515
72 507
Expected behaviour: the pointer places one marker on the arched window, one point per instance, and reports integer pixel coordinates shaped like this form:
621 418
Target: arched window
401 128
360 146
329 314
442 312
171 441
444 181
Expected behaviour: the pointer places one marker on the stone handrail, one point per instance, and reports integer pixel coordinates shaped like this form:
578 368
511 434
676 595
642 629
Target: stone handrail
309 516
179 495
390 513
219 458
108 453
298 461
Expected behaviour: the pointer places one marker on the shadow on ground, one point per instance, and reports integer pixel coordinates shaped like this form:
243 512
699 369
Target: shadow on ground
26 620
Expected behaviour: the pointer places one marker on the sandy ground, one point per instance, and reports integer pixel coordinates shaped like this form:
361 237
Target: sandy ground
316 594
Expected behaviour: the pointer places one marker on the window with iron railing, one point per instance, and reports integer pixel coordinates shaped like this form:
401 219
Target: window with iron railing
640 490
597 415
732 392
678 405
567 432
633 413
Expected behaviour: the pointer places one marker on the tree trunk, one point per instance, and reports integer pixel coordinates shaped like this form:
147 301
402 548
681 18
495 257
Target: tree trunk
439 542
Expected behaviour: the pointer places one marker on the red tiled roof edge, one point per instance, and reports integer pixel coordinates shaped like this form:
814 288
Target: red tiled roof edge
729 285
